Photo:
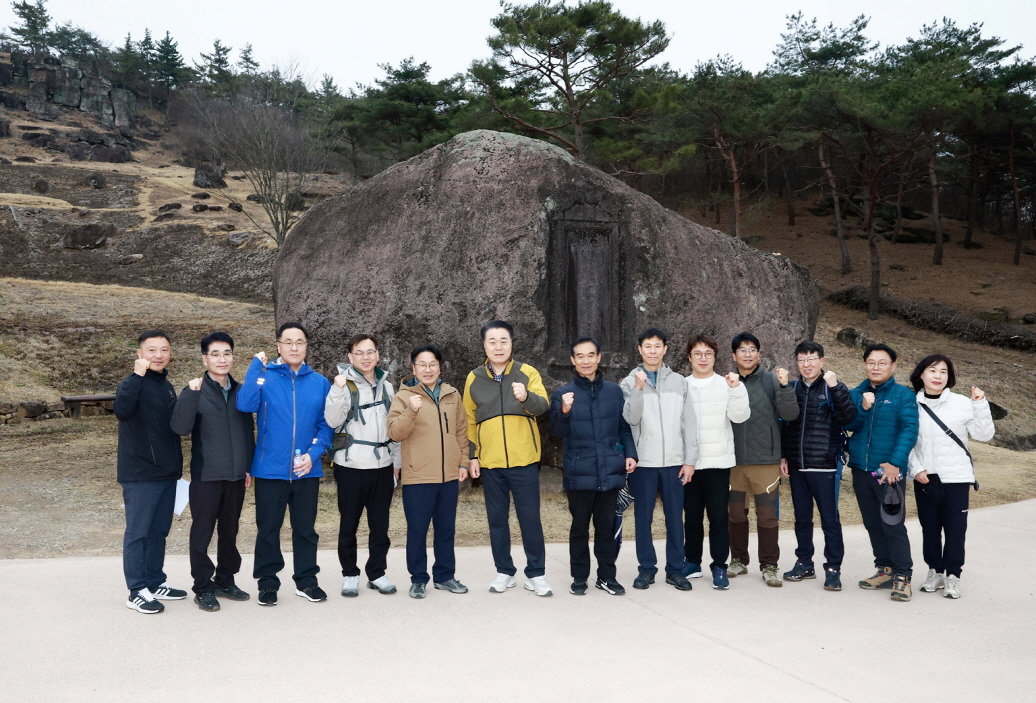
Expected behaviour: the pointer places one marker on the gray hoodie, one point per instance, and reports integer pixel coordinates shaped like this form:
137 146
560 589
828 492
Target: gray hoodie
370 423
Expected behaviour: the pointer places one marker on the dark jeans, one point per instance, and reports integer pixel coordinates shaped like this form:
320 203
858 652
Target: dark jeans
215 505
149 514
434 503
942 509
707 492
890 543
522 482
359 489
272 496
646 483
600 507
808 487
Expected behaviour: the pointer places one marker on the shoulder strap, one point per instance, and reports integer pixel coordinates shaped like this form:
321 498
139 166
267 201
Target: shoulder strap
947 430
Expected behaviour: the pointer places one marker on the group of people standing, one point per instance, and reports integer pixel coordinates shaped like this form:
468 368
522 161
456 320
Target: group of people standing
702 444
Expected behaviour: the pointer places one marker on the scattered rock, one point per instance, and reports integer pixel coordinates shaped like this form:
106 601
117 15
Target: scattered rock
31 408
96 181
5 129
91 236
199 207
294 201
170 206
164 217
236 207
237 178
25 159
1029 318
201 196
852 337
210 176
40 186
215 208
256 198
239 238
5 162
226 227
131 258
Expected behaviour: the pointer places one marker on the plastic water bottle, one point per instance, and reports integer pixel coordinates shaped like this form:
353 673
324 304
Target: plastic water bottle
297 459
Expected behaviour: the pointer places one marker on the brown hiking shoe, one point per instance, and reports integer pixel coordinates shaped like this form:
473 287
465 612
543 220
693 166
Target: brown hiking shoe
900 588
882 579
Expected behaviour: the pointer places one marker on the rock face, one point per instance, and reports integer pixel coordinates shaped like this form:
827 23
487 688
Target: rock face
492 225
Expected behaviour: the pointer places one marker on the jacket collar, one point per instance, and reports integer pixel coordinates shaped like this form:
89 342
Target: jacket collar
489 368
584 383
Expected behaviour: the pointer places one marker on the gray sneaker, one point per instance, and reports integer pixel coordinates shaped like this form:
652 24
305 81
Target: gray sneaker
952 587
417 590
771 576
351 586
933 582
452 585
736 568
382 585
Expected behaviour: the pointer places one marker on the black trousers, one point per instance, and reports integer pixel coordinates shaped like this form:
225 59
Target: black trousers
149 515
598 506
707 492
360 489
808 487
215 506
272 497
942 509
890 543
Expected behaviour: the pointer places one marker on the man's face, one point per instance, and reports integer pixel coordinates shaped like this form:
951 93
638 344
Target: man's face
219 359
497 345
364 356
811 366
426 368
652 352
586 359
292 346
880 367
703 359
157 351
746 358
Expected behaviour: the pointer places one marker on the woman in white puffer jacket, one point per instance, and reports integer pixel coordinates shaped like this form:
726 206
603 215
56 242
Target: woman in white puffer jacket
942 469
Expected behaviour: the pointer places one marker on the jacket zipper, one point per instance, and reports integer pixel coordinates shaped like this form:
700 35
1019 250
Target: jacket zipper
802 433
294 430
503 425
442 444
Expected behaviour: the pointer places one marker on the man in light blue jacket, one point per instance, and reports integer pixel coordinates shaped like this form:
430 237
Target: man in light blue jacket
288 399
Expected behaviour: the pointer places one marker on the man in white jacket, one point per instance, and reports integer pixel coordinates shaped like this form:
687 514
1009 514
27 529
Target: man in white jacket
655 398
716 402
366 469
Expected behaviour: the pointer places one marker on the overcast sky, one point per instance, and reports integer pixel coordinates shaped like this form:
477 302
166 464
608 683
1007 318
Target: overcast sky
348 39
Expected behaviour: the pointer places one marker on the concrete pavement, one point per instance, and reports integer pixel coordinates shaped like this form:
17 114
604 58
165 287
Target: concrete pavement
67 634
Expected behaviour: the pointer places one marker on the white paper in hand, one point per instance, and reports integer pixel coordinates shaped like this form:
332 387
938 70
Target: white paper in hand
181 496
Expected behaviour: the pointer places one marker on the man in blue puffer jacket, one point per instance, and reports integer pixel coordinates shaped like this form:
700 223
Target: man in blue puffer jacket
288 399
599 451
883 433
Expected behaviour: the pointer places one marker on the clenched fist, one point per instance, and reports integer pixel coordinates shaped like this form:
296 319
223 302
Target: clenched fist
416 402
261 356
520 392
782 375
831 378
732 379
868 400
140 366
977 393
194 384
566 402
640 378
340 380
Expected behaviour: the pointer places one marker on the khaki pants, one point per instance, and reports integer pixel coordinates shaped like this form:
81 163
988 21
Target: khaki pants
762 482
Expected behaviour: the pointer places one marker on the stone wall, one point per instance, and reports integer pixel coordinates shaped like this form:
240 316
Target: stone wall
35 410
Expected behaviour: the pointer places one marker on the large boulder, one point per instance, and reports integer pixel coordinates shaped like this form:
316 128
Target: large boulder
492 225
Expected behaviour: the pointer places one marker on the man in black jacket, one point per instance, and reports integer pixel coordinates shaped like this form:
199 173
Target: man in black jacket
810 447
222 445
150 462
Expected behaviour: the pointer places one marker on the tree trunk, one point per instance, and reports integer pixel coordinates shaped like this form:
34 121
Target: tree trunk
843 248
766 173
735 179
969 228
873 302
1017 204
789 198
933 179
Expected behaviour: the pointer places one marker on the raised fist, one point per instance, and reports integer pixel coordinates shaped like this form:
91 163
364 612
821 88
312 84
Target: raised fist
782 375
831 378
194 384
340 380
566 402
416 402
868 400
977 393
520 392
261 356
640 379
140 366
732 379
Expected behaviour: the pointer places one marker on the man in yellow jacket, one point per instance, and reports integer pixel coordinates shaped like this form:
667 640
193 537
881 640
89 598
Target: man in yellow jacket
503 398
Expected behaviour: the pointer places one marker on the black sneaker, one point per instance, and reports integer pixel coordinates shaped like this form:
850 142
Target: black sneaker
144 602
799 572
679 581
611 587
267 596
833 580
167 592
206 600
643 580
231 592
578 587
314 593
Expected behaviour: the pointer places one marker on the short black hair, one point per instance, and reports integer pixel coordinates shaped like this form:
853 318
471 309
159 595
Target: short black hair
149 334
871 348
417 351
702 339
652 332
809 347
496 324
208 339
582 340
931 360
744 337
356 339
292 326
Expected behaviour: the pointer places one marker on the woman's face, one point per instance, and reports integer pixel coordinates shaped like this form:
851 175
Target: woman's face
935 378
426 368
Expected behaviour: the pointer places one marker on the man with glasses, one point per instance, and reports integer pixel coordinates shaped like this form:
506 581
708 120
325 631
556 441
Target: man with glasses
288 399
503 398
883 433
222 446
757 446
367 467
810 446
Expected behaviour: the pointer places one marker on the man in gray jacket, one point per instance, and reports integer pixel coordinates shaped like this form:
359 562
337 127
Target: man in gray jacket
662 422
222 445
757 447
367 468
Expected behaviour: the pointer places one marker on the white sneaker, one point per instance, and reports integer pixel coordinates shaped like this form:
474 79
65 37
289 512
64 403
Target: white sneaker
501 583
539 585
382 585
351 586
933 582
952 587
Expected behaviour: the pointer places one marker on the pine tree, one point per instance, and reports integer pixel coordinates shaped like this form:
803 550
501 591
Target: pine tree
246 61
170 70
148 53
32 33
215 70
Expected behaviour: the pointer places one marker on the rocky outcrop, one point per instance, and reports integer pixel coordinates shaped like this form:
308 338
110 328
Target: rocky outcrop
492 225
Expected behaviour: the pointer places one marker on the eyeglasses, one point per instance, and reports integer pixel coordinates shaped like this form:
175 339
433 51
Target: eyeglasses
363 353
747 351
878 364
703 354
429 365
293 343
808 360
221 355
